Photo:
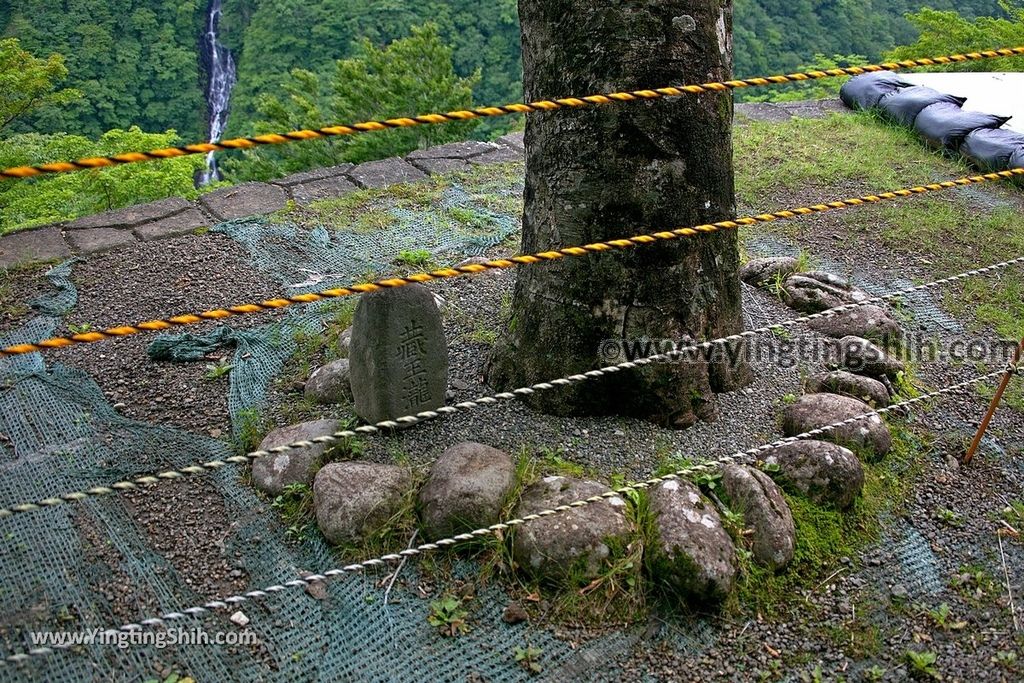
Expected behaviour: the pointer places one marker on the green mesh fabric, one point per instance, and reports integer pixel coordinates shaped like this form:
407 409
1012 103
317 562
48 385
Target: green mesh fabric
62 435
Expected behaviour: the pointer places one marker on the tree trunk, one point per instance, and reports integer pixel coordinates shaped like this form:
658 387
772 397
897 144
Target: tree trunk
612 171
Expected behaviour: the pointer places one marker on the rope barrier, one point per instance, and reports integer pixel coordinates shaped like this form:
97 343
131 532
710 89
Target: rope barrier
747 456
19 172
408 420
496 264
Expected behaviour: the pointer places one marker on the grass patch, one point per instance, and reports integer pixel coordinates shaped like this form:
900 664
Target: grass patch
824 153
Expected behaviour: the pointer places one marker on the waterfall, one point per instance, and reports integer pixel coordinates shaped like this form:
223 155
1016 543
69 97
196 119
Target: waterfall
220 70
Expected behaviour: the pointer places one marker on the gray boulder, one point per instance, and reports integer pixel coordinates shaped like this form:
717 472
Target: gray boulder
761 271
866 389
816 291
352 500
398 355
465 489
765 512
330 383
272 473
870 322
825 473
576 540
694 554
863 357
812 411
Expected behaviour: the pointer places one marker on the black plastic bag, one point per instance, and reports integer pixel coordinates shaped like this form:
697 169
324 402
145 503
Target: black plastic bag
946 125
992 149
904 105
864 91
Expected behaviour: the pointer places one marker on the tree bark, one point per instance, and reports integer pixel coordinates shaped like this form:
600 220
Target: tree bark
612 171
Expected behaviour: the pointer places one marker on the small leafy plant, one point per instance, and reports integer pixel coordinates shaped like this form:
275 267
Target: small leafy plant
448 616
922 664
415 258
215 371
526 657
80 328
941 616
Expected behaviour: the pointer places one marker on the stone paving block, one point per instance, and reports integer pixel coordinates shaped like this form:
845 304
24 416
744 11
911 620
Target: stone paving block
315 174
324 188
27 246
385 172
437 166
131 216
453 150
762 111
813 109
241 201
172 226
497 156
95 240
513 140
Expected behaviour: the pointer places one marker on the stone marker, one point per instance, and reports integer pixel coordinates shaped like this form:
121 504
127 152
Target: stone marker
825 473
575 539
765 512
352 500
466 489
812 411
694 554
272 473
398 355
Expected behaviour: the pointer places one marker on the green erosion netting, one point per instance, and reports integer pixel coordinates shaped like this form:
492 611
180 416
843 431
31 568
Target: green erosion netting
63 568
455 226
84 566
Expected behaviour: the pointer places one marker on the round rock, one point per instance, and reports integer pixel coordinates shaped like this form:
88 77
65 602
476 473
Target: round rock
761 271
866 389
465 489
558 546
869 321
765 512
694 554
812 411
330 383
352 500
272 473
863 357
817 291
825 473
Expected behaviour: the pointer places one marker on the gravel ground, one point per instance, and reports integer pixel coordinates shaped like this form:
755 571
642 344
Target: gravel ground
881 589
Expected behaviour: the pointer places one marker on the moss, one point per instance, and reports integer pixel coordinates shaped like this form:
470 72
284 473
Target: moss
823 535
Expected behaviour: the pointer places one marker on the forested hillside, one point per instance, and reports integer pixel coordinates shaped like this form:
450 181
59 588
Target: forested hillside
84 77
782 35
136 61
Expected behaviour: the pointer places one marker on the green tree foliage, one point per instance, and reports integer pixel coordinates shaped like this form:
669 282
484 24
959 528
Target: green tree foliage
135 61
811 90
28 83
61 197
779 35
413 74
948 32
273 37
